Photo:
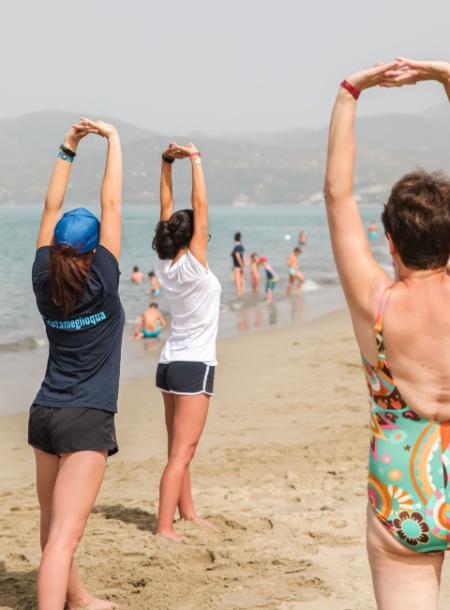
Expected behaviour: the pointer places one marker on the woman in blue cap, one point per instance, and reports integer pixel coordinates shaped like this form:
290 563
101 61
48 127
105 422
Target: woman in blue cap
71 426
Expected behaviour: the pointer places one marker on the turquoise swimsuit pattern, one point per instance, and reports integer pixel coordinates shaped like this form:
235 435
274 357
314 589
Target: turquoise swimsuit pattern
409 461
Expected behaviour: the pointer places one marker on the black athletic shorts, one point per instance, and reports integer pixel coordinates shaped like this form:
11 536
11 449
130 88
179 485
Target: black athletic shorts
185 378
60 430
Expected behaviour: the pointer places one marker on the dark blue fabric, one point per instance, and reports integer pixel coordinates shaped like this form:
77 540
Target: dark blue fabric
84 351
238 249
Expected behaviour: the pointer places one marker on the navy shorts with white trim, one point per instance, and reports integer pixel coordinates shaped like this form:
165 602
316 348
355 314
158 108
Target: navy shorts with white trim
185 378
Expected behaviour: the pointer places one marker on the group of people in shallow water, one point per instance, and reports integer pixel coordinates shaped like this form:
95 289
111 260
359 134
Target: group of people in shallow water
401 325
257 262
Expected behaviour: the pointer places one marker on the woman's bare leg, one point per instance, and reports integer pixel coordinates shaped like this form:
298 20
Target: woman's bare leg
186 506
75 489
185 419
401 578
47 468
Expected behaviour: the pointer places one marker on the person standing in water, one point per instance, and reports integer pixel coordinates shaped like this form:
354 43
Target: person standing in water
295 275
254 271
271 278
402 327
238 260
71 425
302 238
185 373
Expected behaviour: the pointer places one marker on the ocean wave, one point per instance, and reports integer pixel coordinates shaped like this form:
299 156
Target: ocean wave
23 344
310 286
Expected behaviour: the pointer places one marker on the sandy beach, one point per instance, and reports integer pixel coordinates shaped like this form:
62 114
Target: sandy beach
281 471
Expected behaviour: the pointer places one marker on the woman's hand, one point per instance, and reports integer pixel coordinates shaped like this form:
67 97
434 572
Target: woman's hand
171 152
410 72
99 127
373 76
186 151
75 134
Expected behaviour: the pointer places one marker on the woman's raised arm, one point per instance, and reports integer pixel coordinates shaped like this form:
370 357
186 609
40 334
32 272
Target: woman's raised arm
57 187
165 191
410 72
111 188
360 274
200 238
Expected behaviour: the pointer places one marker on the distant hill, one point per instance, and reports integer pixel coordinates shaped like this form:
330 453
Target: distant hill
438 113
287 167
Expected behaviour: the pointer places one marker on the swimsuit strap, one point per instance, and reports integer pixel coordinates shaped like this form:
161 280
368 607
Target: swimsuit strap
378 328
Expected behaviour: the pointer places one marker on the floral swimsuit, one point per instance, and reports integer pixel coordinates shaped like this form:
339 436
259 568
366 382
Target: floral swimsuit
408 463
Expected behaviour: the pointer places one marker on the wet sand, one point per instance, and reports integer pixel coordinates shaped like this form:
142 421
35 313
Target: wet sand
281 471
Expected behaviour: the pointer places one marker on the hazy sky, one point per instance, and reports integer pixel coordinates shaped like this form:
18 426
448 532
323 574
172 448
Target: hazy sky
177 66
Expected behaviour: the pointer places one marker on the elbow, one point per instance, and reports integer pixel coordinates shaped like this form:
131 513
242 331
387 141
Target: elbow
332 191
329 190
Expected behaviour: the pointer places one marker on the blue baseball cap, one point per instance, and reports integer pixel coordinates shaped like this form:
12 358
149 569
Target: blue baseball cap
79 229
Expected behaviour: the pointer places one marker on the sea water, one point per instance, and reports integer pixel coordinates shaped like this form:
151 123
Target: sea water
271 231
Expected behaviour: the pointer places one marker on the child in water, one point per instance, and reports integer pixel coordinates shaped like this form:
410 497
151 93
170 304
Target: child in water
150 323
271 277
155 288
254 272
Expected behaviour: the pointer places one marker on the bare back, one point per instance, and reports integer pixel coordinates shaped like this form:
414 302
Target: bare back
416 330
293 260
151 318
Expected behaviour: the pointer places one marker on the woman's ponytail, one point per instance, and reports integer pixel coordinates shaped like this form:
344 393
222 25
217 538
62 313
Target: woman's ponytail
173 234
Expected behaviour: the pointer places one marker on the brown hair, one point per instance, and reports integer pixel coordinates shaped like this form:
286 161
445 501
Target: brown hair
417 218
68 274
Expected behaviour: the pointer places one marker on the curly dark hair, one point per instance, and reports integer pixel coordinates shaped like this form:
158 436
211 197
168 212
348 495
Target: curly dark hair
173 234
417 218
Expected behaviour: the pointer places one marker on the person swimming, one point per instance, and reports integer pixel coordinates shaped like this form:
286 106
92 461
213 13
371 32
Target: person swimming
150 323
137 277
155 287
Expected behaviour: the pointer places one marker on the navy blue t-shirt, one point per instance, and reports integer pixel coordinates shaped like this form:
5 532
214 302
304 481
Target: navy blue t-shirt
238 249
84 350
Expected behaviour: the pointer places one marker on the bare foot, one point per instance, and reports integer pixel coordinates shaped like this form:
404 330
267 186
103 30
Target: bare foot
171 535
94 604
201 522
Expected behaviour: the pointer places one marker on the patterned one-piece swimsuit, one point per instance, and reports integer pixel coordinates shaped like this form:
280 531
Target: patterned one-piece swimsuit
409 461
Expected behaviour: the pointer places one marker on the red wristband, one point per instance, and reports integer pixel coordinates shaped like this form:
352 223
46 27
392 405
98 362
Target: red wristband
195 154
354 91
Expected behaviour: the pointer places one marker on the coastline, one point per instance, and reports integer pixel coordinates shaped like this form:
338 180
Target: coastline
281 470
139 358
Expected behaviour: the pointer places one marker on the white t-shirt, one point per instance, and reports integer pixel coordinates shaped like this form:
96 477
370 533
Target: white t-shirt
193 294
